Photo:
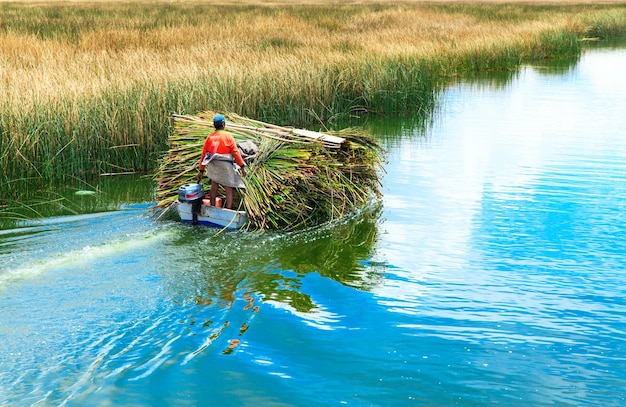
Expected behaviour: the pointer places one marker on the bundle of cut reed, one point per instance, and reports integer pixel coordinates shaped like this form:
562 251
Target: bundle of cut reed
298 177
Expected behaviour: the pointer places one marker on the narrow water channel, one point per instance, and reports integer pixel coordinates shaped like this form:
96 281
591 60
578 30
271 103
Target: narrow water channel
492 272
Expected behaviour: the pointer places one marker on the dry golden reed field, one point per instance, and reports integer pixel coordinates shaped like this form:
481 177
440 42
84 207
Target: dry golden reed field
98 46
87 87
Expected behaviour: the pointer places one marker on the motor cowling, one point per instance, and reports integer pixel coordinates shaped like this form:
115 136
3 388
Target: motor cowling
190 193
193 194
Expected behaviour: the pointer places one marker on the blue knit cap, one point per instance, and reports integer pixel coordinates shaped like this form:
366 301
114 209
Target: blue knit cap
219 120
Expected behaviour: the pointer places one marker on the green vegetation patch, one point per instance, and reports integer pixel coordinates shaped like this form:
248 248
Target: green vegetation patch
88 88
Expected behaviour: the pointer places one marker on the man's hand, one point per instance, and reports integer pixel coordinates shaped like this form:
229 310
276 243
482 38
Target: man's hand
243 172
199 176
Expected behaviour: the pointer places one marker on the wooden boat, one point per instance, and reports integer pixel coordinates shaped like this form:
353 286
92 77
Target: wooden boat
194 208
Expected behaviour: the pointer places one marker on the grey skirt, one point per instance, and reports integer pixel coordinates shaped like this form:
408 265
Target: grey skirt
224 172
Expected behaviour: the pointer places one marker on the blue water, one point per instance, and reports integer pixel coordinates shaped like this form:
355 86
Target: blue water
493 272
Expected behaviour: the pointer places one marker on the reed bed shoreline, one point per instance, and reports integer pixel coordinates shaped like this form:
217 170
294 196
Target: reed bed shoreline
87 88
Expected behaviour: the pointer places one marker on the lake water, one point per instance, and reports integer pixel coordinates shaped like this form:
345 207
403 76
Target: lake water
493 272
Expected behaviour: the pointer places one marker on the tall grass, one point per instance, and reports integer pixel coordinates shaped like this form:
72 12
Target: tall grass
87 88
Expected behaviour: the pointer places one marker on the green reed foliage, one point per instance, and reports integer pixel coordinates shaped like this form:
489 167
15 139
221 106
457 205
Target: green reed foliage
291 183
126 131
606 25
277 74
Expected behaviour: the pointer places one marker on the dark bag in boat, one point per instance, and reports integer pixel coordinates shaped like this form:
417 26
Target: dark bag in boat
248 150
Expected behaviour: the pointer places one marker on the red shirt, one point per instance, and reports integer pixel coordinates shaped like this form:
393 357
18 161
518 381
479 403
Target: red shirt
221 142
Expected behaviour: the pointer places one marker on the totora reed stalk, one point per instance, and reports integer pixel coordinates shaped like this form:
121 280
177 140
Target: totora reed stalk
298 177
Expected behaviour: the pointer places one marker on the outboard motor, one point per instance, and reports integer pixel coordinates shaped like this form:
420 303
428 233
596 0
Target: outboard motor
193 194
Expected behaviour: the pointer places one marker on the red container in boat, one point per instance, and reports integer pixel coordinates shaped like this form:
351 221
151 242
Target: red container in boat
218 202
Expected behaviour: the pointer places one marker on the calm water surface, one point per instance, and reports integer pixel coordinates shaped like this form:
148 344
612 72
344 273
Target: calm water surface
492 273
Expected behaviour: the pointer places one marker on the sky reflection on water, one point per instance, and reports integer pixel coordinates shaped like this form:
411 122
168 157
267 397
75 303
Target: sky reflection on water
493 273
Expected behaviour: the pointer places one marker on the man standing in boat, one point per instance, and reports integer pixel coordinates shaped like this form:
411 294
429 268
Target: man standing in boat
222 161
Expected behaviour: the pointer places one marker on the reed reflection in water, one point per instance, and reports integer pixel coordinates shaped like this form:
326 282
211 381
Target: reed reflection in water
492 273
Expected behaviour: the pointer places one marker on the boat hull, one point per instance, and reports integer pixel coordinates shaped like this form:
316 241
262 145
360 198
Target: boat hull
212 216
